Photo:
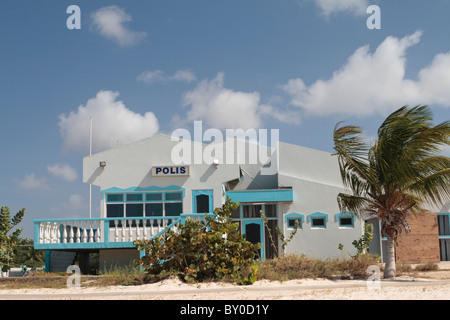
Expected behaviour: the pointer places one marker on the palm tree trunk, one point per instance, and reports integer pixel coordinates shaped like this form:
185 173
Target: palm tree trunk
389 269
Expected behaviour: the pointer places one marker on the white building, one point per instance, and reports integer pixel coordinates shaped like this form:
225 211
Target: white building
143 190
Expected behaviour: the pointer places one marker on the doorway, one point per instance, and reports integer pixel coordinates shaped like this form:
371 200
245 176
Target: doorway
254 232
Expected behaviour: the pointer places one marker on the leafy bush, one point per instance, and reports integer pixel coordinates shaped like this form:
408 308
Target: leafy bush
8 240
210 249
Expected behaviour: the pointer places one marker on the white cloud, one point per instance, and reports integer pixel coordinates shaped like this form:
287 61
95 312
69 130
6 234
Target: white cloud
109 22
184 75
224 108
31 182
375 83
112 122
65 172
159 76
76 202
328 7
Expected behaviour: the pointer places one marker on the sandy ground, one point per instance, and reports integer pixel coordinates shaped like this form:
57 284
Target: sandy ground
421 286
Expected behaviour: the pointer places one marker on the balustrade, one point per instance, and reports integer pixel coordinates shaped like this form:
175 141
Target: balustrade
102 230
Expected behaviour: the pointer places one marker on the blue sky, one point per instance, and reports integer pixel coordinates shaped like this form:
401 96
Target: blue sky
145 67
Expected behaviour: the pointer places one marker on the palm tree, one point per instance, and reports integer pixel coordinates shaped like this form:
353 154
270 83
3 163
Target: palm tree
400 174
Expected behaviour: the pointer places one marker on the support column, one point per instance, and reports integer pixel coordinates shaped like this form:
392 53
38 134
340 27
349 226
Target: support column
48 253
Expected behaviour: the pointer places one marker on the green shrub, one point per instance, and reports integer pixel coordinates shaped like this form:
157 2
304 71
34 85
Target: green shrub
210 249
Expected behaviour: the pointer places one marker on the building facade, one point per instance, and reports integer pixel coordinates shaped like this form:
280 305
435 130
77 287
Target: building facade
145 189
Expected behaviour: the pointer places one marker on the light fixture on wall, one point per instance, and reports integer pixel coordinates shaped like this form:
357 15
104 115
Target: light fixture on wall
102 164
216 162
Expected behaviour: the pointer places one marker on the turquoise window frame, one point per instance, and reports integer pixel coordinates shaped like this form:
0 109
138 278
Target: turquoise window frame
147 194
131 194
209 193
318 215
115 194
444 236
346 214
125 197
294 216
173 193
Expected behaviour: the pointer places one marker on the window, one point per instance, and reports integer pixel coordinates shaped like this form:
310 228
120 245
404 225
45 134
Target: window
135 209
291 222
153 209
114 197
134 196
346 219
114 210
173 196
291 218
236 214
173 208
138 204
346 222
270 210
153 196
443 224
318 220
252 211
202 202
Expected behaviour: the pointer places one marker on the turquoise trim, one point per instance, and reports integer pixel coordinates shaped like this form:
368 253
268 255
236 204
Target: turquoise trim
266 195
346 214
47 260
443 236
318 215
196 193
294 216
139 189
261 227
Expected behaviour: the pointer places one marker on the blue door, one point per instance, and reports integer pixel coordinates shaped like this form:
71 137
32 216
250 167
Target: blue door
254 232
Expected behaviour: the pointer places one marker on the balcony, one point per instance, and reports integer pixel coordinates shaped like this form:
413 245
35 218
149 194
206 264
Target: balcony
102 233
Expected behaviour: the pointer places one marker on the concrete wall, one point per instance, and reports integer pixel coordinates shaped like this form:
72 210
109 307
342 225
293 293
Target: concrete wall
311 197
131 165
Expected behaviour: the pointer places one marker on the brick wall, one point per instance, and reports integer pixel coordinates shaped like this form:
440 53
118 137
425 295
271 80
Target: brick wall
422 244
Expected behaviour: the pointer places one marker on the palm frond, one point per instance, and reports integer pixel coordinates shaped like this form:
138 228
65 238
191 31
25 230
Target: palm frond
405 139
356 204
352 151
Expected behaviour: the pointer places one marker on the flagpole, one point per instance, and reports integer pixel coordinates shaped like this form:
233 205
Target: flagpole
90 154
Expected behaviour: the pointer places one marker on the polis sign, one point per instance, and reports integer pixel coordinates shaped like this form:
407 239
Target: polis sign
168 171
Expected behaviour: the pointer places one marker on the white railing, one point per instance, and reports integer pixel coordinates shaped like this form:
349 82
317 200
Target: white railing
103 230
71 231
